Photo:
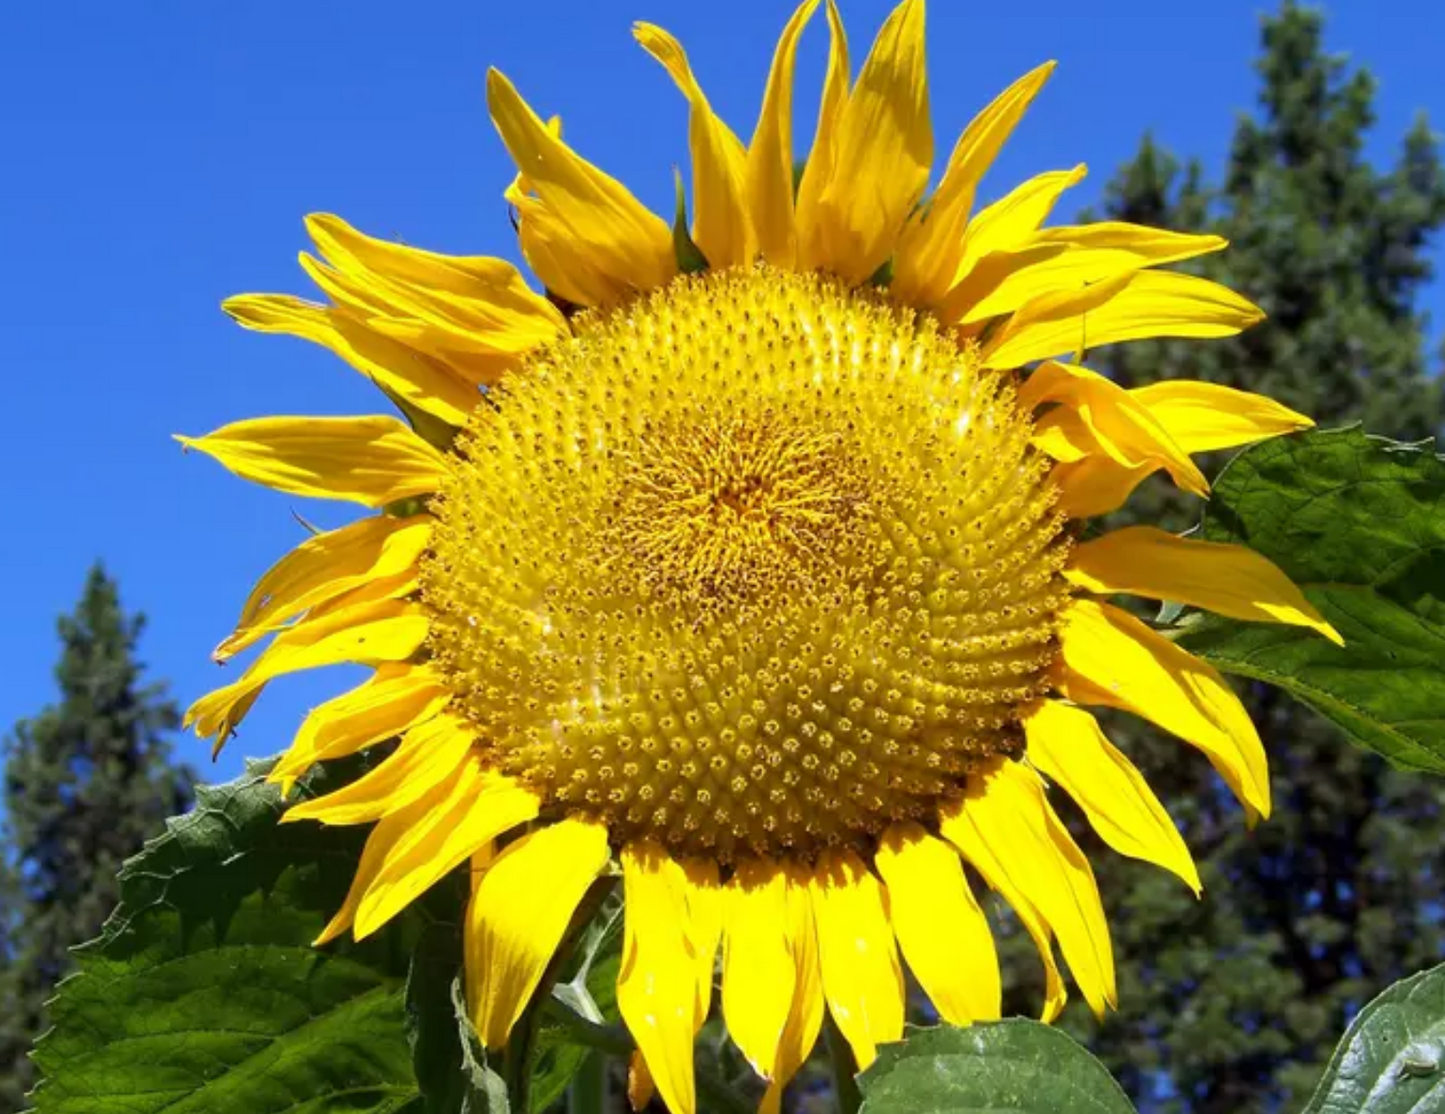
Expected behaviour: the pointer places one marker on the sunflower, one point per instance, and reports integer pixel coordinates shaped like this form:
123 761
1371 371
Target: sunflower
745 562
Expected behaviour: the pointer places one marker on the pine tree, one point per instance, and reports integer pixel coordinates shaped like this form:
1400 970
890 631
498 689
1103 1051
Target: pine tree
86 782
1234 1003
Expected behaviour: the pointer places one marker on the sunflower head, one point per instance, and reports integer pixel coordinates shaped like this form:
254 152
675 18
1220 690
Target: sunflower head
744 560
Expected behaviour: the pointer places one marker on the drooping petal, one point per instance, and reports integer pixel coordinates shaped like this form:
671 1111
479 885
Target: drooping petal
478 806
721 228
393 700
381 631
518 914
883 151
656 988
805 1017
418 380
823 155
703 896
940 926
758 968
769 166
373 461
862 980
1066 744
380 843
932 244
1202 417
428 755
1124 664
325 566
1011 815
606 228
1134 306
1226 579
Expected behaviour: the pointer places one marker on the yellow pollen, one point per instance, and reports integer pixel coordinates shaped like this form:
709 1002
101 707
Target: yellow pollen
753 566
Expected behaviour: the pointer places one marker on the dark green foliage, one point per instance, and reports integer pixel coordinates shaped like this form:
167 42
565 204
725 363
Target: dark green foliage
1234 1003
86 781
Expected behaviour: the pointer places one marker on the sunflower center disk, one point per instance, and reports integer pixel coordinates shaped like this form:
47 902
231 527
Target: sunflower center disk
753 566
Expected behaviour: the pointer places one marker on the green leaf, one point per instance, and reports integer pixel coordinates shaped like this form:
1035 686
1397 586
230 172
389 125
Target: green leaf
1358 523
993 1066
1392 1059
203 992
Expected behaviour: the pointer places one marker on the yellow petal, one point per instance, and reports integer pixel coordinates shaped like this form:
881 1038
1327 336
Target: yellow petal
1124 664
458 303
882 154
758 968
805 1016
957 825
393 700
1134 306
720 219
704 899
325 566
386 630
1083 255
656 988
1011 221
372 461
1012 816
477 807
514 924
818 169
428 755
941 928
604 225
1095 416
862 981
931 246
418 380
1066 744
769 167
1226 579
1202 417
379 844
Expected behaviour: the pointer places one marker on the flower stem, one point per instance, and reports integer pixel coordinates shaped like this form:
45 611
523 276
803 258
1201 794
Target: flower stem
587 1093
845 1069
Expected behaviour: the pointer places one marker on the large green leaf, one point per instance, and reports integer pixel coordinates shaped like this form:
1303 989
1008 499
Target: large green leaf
203 992
1359 523
1003 1065
1392 1059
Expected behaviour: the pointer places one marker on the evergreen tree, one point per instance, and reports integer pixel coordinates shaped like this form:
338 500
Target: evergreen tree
1233 1003
86 782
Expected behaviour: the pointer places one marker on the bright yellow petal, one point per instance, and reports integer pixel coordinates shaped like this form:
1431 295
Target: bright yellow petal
769 168
932 244
1067 745
1011 814
385 630
720 219
1095 416
940 926
428 755
656 988
883 151
822 157
758 968
477 807
1134 306
379 844
514 924
862 980
1124 664
325 566
959 826
1083 255
372 461
1202 417
605 225
704 899
805 1016
1011 221
394 699
1226 579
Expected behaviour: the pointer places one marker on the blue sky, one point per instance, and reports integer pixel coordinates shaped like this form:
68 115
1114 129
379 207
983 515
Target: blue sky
160 155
